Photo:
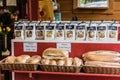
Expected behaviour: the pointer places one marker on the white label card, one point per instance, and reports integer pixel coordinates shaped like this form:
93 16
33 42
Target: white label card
64 46
30 47
11 2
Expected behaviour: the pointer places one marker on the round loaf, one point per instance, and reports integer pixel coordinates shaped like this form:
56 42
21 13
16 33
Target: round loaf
22 59
68 61
61 62
77 61
36 56
10 59
34 59
53 62
45 61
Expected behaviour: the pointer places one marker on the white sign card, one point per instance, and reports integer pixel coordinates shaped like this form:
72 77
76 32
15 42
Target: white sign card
64 46
11 2
30 47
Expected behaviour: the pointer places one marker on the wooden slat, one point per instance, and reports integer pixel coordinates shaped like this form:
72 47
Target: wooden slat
116 5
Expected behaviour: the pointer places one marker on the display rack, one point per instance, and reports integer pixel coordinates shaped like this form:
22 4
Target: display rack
77 49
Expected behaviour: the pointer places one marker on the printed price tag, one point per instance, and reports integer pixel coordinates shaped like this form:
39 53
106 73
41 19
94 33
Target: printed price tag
30 47
64 46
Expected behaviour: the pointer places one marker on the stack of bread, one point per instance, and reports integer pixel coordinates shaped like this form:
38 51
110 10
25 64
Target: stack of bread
22 62
101 61
23 59
62 62
59 58
54 56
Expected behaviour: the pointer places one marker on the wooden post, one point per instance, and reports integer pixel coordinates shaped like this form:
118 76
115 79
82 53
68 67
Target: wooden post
29 9
32 9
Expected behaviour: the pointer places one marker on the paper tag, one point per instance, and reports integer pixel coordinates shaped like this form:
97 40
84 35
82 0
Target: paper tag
64 46
30 47
11 2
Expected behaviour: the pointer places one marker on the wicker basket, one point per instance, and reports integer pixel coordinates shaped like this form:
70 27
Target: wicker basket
55 68
17 66
101 70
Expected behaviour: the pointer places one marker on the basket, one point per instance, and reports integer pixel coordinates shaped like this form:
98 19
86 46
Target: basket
18 66
101 70
56 68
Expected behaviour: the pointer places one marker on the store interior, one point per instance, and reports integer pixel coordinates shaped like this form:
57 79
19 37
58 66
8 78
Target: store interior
65 39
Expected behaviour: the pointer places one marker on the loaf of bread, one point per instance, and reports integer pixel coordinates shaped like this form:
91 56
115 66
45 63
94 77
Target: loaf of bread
110 56
54 53
10 59
61 62
103 52
53 62
34 59
36 56
68 61
77 61
22 59
45 61
102 64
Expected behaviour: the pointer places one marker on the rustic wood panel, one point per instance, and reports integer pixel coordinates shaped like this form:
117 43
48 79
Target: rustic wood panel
116 5
67 11
65 5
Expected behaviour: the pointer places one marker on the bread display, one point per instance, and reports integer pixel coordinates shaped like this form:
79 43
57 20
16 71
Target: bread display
61 65
54 53
10 59
22 62
102 62
63 62
102 55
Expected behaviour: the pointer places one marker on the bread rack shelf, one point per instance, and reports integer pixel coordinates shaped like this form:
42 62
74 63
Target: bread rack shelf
77 49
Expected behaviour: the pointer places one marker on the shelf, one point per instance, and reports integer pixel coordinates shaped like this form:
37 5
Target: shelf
66 73
71 41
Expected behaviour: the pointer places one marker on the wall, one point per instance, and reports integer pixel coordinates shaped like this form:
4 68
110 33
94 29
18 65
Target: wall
68 11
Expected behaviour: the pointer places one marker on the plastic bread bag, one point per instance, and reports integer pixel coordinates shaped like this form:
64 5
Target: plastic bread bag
102 32
19 31
39 31
81 31
59 32
91 31
70 31
113 32
30 31
50 31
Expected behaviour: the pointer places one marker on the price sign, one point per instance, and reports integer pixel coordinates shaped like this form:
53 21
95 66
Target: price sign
64 46
30 47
